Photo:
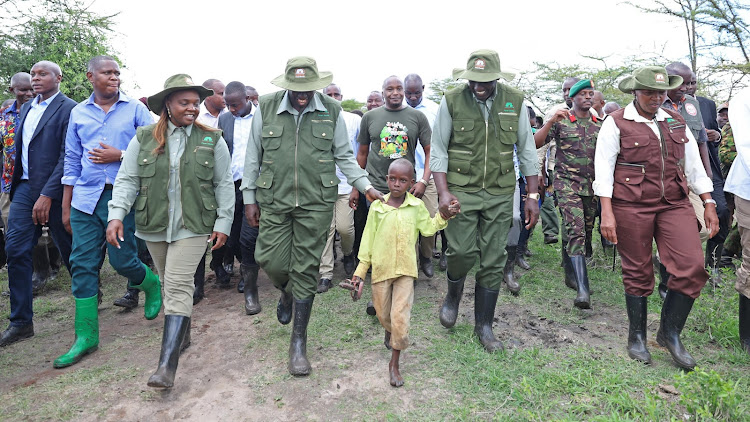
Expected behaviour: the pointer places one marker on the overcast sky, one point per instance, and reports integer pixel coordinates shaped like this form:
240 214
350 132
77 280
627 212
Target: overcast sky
363 42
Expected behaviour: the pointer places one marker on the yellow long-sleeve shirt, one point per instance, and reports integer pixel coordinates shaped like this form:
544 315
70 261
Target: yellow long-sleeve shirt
390 236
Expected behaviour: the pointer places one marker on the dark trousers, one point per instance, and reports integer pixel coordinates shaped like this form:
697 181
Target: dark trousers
20 239
233 242
248 238
523 239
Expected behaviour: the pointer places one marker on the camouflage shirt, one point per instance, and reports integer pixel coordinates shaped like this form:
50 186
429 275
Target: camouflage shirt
727 150
574 159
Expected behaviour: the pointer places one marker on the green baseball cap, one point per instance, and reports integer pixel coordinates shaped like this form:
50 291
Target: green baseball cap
482 66
302 75
650 77
178 82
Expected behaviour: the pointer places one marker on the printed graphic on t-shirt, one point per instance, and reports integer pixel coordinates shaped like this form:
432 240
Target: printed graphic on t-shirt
393 140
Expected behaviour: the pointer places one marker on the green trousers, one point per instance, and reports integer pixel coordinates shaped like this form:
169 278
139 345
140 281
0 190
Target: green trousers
289 247
480 230
550 221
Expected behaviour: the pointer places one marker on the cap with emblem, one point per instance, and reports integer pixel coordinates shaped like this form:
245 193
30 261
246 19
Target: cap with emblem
302 75
483 66
650 77
179 82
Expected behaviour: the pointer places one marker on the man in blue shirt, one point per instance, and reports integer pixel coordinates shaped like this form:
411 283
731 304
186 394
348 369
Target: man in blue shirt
99 131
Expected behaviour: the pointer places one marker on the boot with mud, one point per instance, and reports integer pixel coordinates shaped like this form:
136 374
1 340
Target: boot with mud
484 314
151 286
583 298
508 277
87 333
570 275
175 328
199 279
284 308
663 277
520 257
674 313
637 307
449 310
744 317
129 300
249 275
298 363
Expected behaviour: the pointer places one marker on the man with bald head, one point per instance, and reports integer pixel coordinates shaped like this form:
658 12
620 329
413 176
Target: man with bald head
214 106
610 107
253 94
36 191
598 103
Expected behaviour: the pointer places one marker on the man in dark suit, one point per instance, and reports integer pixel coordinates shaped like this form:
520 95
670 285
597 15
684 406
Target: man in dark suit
36 191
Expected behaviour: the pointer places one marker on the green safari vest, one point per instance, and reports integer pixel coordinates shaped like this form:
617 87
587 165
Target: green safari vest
196 180
480 152
691 112
297 167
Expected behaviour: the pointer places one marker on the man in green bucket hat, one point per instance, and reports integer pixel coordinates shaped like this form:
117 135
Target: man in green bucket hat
297 139
474 135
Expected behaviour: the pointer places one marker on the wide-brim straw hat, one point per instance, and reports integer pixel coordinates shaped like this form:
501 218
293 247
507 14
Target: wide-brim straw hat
650 77
482 66
302 75
174 83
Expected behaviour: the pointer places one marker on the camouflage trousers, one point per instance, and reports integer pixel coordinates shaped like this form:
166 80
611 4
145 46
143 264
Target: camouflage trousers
578 214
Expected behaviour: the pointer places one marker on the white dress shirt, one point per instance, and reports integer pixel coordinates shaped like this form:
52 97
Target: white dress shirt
738 179
239 141
429 109
352 129
208 119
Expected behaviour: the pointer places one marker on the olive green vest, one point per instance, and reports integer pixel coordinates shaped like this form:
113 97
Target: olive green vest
480 152
297 167
196 182
694 122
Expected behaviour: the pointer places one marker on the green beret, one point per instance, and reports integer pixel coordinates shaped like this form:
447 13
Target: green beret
580 85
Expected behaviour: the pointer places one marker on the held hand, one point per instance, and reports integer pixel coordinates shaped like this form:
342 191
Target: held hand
115 233
713 135
252 214
40 212
559 115
444 205
711 219
374 194
531 209
608 226
354 199
418 189
219 238
454 208
105 154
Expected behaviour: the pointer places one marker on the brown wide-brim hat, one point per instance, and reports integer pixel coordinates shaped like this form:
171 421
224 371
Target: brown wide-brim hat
650 77
302 75
482 66
179 82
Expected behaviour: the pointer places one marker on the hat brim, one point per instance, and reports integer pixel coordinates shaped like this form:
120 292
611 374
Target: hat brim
630 84
323 81
156 101
472 75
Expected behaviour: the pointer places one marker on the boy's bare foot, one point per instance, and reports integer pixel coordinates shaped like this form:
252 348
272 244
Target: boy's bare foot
387 341
396 379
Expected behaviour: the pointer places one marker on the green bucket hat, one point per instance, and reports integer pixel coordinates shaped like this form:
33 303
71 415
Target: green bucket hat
174 83
302 75
483 66
650 77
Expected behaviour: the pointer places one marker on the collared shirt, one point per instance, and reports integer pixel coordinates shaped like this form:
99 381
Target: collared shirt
441 136
128 183
342 153
608 147
8 124
430 110
89 127
738 179
209 119
352 129
390 235
678 107
38 107
241 134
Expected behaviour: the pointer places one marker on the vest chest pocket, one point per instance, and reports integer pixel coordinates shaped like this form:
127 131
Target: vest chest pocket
208 197
463 131
458 172
509 129
271 137
636 148
263 191
146 164
329 187
628 179
322 138
679 138
204 158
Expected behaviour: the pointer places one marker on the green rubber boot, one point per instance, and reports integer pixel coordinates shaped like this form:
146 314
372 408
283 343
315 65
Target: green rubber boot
152 288
87 332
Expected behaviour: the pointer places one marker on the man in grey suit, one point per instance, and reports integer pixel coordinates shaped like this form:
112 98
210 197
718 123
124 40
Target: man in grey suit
36 191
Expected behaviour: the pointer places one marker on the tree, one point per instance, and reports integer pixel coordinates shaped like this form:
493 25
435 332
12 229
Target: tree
438 87
351 104
62 31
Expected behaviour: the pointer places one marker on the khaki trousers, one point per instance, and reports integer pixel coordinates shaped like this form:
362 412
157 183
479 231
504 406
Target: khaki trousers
697 204
742 212
5 207
393 299
430 199
343 222
176 263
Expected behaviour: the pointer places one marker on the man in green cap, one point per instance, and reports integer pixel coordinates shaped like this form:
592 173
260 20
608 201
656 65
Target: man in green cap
297 139
476 129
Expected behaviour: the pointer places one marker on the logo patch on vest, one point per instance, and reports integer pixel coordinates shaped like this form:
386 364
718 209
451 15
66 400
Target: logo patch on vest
299 73
509 108
691 109
479 64
207 141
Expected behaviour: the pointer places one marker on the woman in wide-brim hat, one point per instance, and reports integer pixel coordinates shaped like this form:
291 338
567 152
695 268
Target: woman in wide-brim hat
177 175
645 163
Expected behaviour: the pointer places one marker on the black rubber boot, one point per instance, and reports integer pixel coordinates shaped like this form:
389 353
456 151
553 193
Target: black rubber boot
199 278
484 314
674 313
744 317
583 298
186 341
570 275
508 277
713 256
520 257
284 308
449 310
637 316
349 264
250 278
663 281
175 327
298 363
425 264
129 300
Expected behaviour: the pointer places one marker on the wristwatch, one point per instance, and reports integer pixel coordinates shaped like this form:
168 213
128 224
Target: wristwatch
368 187
122 155
534 196
709 201
423 181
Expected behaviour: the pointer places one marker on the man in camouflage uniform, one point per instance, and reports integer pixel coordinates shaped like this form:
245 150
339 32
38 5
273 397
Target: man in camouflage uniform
727 154
575 133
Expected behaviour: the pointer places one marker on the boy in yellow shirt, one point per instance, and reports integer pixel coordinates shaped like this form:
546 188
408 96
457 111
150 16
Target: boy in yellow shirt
388 245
